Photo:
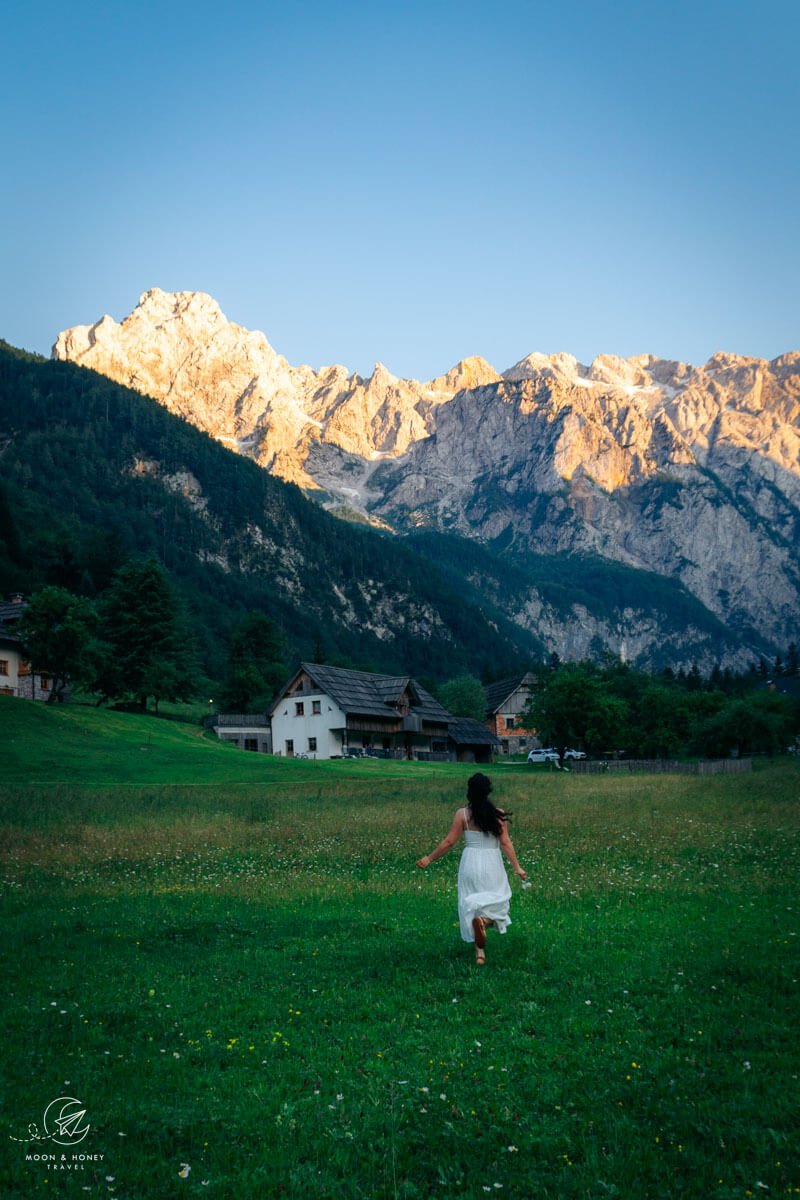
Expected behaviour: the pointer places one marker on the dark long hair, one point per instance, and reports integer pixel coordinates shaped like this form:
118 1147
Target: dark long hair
485 815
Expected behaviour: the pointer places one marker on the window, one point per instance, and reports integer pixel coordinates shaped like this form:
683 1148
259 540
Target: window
251 743
316 707
3 666
289 748
44 683
312 744
299 708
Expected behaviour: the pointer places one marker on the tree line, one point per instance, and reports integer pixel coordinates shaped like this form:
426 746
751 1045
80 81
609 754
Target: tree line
610 708
135 644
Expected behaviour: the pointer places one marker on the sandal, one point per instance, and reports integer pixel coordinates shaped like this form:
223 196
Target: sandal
480 958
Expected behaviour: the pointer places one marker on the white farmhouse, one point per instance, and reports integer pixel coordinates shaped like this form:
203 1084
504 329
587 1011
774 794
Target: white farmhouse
16 676
328 712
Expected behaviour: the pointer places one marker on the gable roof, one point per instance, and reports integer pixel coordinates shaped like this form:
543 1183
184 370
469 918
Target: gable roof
8 636
498 693
11 611
466 731
371 694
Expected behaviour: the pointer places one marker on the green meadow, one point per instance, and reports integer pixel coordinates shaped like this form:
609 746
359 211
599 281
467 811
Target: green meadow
233 964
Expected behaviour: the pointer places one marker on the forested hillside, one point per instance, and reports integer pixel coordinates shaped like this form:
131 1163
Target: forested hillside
94 473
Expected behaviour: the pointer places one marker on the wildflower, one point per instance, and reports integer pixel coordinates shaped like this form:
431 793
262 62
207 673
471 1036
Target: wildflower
184 1171
513 1149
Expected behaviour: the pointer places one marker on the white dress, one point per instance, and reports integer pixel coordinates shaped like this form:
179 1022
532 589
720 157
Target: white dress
483 887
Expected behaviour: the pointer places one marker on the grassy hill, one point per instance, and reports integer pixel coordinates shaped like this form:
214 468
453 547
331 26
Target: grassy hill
76 746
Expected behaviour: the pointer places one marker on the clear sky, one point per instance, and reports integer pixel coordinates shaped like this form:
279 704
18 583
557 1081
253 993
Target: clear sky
410 182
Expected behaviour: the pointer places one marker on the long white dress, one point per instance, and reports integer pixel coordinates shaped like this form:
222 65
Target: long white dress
483 887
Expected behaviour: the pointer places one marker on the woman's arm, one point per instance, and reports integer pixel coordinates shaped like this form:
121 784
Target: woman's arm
447 843
507 847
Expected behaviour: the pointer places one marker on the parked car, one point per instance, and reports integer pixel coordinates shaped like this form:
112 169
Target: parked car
575 755
543 756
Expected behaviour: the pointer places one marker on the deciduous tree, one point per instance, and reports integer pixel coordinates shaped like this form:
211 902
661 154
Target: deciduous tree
58 632
464 696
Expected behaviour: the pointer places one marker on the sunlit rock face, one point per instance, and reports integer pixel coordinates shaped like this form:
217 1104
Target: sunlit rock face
180 349
691 472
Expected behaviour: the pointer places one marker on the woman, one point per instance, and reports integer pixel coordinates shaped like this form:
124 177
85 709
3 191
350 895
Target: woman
483 888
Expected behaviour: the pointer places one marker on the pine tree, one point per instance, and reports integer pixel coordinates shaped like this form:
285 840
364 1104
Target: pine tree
150 649
256 665
792 660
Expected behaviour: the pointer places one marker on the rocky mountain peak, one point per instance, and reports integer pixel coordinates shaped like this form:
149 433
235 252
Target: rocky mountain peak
469 373
690 472
561 367
619 372
157 306
381 377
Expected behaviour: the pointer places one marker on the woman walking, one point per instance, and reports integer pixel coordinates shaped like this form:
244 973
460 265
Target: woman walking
483 887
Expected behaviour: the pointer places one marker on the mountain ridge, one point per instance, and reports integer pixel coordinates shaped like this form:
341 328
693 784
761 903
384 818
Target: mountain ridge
93 472
692 473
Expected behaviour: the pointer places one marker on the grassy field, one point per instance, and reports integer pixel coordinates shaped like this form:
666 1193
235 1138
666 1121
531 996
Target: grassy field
235 967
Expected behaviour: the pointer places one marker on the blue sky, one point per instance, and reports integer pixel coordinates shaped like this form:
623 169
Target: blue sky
410 182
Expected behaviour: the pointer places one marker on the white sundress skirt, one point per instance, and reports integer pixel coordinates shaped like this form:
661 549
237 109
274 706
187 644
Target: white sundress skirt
483 887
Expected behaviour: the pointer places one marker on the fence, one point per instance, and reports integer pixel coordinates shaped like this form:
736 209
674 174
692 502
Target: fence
665 766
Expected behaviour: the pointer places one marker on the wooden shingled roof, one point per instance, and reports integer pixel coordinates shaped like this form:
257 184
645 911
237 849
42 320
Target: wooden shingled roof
11 612
372 695
498 693
466 731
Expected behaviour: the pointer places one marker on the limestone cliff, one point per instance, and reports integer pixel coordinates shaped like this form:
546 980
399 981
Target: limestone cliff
181 350
689 472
